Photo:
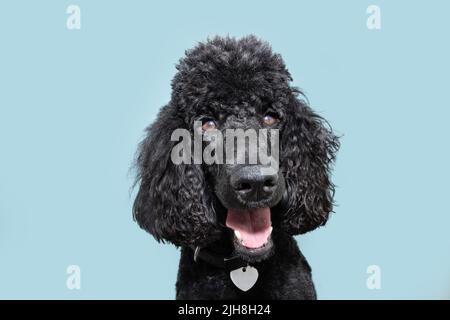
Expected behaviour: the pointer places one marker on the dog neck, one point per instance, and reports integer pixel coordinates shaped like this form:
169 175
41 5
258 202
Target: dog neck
218 260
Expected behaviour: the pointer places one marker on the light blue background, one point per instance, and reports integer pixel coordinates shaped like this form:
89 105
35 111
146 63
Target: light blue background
74 104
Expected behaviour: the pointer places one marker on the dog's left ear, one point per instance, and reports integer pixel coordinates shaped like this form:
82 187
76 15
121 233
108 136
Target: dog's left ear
308 148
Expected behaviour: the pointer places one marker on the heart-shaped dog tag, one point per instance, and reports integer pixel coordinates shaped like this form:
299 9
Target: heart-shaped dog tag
244 278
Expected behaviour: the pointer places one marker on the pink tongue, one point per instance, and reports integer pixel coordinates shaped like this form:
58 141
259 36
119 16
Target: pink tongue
254 225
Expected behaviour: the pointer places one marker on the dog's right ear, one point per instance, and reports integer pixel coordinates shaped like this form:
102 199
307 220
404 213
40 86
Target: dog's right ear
173 202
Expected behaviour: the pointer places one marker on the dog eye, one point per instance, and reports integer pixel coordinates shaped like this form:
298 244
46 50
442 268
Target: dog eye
270 119
208 124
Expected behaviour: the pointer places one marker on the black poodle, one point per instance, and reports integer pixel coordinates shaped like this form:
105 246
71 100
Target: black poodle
235 225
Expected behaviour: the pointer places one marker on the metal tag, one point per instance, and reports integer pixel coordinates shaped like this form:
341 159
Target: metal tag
244 278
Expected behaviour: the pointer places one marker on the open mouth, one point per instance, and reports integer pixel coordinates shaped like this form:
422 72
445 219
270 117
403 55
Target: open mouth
252 227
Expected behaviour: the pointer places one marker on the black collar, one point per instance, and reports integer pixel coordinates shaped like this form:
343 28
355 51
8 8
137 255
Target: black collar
218 260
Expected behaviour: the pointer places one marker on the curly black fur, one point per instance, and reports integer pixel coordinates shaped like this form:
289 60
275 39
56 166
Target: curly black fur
235 78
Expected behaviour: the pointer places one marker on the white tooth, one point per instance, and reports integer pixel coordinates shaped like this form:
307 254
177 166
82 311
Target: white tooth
271 228
238 235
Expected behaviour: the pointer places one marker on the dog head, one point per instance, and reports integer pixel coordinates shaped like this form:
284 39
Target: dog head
222 85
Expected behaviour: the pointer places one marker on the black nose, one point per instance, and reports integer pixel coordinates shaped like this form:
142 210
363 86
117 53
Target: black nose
252 183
